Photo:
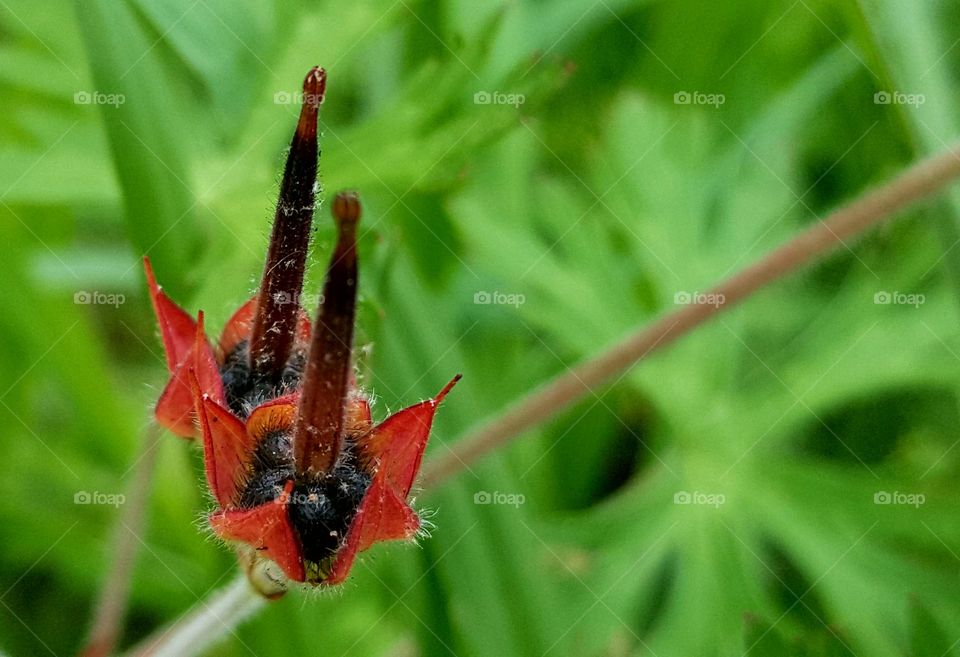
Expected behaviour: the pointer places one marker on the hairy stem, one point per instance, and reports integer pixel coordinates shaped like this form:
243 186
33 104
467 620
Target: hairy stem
227 608
207 623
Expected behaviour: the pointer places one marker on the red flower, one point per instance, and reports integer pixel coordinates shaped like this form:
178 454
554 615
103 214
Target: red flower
301 476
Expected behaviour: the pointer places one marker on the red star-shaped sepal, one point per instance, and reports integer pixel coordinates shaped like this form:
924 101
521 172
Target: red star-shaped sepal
394 449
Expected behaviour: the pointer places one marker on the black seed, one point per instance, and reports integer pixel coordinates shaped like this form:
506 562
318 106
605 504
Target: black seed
235 373
274 451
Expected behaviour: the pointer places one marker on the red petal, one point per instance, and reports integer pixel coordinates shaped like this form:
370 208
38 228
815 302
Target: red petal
177 328
382 516
398 442
227 448
238 328
175 408
267 529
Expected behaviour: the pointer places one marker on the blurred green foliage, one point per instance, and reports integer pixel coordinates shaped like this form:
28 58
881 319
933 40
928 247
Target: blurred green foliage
158 127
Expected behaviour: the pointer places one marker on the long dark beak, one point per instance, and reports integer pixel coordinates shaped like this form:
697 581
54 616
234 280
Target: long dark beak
318 438
278 307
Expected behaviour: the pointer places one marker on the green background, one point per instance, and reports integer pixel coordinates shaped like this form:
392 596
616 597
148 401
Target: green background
594 202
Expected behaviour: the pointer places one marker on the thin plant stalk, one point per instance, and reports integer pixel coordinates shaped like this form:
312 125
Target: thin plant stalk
111 606
916 183
205 625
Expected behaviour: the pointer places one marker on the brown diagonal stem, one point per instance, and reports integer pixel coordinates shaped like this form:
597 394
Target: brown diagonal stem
278 306
319 433
917 182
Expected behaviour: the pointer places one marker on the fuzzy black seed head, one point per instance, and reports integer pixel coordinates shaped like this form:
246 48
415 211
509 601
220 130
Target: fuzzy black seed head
244 390
321 511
